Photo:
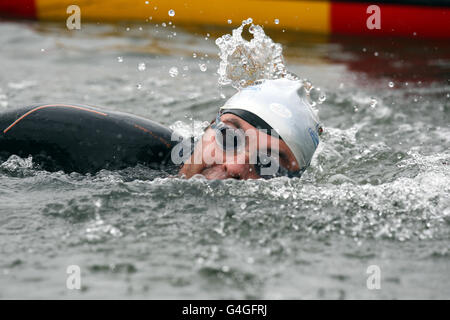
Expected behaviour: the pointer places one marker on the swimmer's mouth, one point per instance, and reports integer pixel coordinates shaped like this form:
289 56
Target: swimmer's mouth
214 173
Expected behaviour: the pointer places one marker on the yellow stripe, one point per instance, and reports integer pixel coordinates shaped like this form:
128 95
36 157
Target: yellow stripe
311 16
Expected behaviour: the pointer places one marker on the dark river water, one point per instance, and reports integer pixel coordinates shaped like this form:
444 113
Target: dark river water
376 194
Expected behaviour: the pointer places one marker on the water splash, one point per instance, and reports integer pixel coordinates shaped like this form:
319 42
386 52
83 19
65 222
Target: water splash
243 62
16 165
193 128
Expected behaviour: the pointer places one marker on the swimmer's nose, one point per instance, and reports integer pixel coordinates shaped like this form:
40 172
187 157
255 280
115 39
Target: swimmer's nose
232 164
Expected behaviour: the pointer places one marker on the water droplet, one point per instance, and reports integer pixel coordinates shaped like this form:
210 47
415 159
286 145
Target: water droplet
128 29
448 95
229 21
355 108
314 94
164 24
322 98
42 50
141 66
171 12
203 67
173 72
243 206
219 42
248 21
223 96
375 54
194 55
276 21
146 2
364 49
391 84
373 102
139 86
308 86
119 59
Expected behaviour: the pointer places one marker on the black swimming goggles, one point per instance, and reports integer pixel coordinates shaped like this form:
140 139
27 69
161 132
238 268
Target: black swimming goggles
266 166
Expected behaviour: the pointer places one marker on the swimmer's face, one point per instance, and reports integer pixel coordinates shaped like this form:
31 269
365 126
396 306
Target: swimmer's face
211 161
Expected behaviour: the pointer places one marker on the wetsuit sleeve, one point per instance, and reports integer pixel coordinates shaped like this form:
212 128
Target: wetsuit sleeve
83 138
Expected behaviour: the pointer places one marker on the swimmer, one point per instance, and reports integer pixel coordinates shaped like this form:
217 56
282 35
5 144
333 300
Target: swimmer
263 131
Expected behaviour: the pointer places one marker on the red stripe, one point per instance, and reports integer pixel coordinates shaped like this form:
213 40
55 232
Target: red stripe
25 9
401 20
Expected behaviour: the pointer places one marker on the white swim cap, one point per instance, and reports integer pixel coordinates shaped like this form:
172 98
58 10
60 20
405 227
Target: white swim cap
281 104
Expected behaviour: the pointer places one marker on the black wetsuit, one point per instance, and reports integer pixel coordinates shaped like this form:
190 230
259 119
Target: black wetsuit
83 139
